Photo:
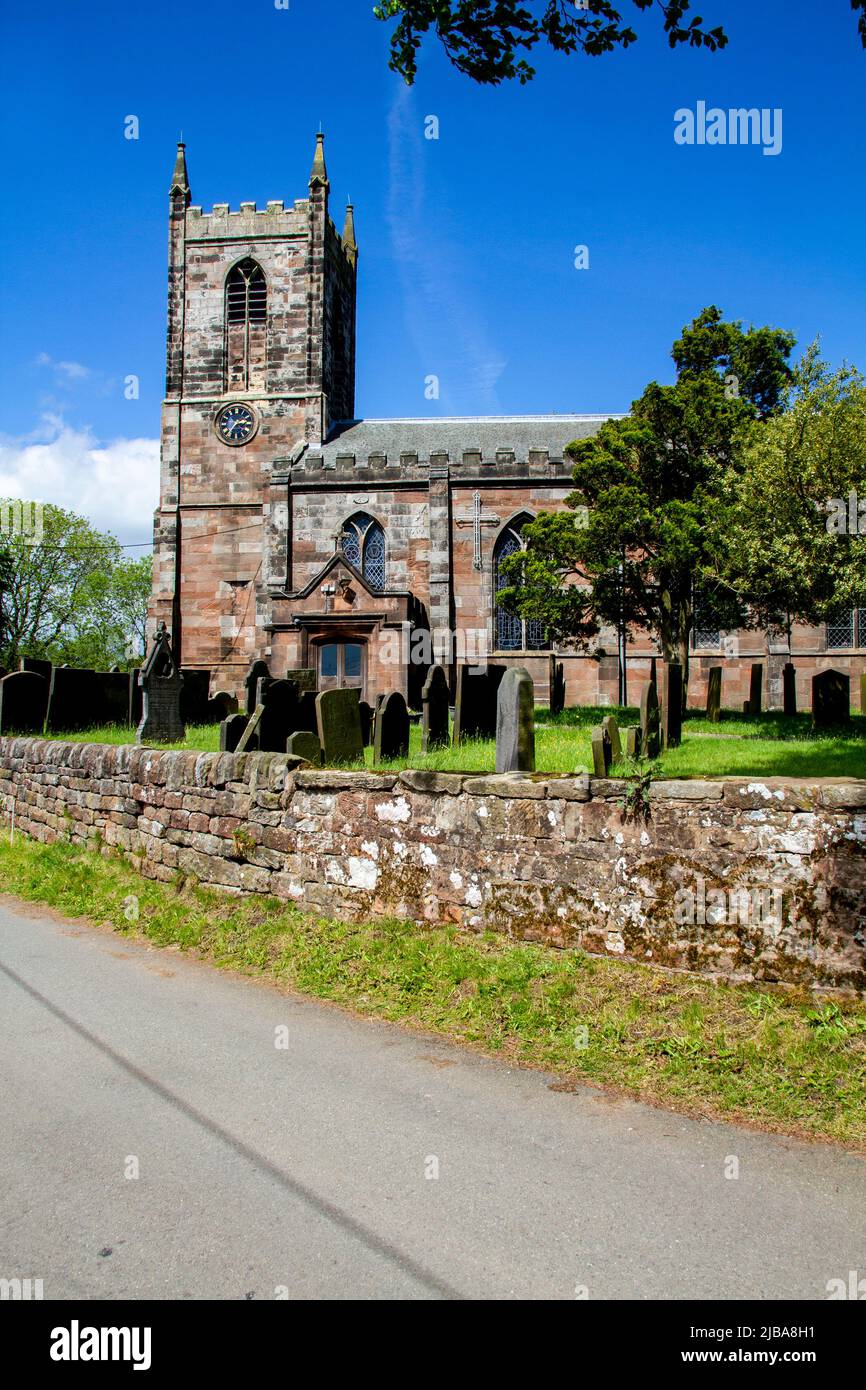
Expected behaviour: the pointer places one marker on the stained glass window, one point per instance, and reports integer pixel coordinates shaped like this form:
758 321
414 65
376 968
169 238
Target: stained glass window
363 544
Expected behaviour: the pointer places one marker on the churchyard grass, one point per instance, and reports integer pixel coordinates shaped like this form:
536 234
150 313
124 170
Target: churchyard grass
763 746
776 1058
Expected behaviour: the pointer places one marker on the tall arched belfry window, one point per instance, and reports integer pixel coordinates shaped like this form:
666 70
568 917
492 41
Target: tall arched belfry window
363 544
246 326
513 634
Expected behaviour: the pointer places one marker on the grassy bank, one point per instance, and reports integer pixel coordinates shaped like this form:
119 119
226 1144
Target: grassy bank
766 746
780 1060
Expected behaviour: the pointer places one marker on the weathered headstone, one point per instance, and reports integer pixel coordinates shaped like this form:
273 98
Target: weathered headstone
831 699
220 705
557 685
515 722
279 700
259 670
756 686
114 695
672 712
632 741
73 700
161 683
249 739
789 688
601 758
366 712
339 726
23 703
36 666
231 732
193 698
435 699
391 739
714 695
305 745
304 678
475 703
611 728
650 721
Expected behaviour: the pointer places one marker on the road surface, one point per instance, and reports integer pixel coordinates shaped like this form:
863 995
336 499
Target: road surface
360 1160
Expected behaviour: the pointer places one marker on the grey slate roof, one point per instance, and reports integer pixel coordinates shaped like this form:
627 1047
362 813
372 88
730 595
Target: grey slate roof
455 434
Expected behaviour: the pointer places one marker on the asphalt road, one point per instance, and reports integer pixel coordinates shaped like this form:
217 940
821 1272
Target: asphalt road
307 1170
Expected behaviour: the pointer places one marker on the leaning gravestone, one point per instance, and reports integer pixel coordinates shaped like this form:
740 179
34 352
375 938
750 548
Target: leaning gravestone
305 745
714 695
650 720
632 741
789 688
672 713
475 703
831 699
161 684
231 732
23 703
435 699
601 758
339 725
259 670
73 700
391 739
557 686
249 739
515 722
756 684
611 728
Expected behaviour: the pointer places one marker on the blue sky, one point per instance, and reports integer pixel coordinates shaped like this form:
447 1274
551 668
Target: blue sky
467 242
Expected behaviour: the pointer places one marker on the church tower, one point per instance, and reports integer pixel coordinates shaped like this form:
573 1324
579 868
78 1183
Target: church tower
260 363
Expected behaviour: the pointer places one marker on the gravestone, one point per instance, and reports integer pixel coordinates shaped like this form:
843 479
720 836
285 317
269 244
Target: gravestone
193 699
672 713
220 705
557 685
305 745
279 701
391 739
305 713
338 717
789 688
304 678
231 732
366 722
435 699
114 693
23 703
632 741
73 700
611 728
35 666
650 721
601 758
515 722
475 703
756 684
714 695
831 699
259 670
161 684
249 739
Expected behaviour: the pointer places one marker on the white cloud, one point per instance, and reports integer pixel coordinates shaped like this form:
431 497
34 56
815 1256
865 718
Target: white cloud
114 484
69 371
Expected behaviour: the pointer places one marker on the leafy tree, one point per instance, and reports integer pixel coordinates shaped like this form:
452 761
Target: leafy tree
69 596
637 543
783 545
485 38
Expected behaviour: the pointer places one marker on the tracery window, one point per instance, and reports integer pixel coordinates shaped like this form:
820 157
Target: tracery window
363 544
513 634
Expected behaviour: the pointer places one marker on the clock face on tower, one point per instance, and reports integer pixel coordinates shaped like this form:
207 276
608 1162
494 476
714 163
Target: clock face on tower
235 424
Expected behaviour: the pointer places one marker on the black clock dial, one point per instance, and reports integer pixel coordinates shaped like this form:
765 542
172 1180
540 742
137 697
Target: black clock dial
236 424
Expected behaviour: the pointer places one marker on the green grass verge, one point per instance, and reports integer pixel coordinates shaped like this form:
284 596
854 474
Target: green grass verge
778 1059
766 746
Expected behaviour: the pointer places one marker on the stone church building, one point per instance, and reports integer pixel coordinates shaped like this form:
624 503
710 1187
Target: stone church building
292 530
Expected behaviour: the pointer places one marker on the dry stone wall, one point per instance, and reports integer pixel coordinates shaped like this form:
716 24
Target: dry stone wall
747 879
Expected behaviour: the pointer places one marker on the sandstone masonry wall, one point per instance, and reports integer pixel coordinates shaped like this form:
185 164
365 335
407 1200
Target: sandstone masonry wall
540 859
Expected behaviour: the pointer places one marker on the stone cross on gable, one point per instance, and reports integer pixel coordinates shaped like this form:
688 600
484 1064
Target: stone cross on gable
476 520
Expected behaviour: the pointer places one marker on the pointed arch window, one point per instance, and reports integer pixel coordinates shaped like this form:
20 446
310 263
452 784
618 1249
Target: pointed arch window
246 312
513 634
363 544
